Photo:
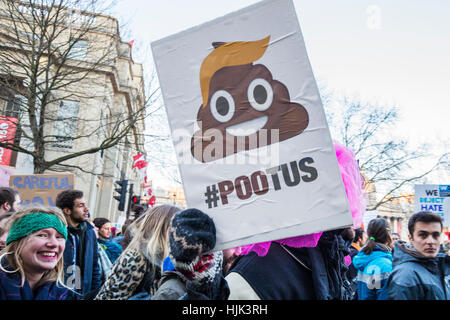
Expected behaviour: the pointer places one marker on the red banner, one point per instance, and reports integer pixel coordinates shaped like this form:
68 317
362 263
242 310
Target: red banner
7 134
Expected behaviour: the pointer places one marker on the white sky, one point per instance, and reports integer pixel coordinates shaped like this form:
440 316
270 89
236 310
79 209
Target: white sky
390 52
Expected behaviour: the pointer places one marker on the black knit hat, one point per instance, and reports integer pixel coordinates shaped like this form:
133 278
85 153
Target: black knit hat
192 233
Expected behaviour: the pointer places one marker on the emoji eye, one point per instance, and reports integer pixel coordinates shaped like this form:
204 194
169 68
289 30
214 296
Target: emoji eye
222 106
260 94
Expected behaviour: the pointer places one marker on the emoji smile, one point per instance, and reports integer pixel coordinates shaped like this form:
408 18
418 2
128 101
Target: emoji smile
242 103
247 128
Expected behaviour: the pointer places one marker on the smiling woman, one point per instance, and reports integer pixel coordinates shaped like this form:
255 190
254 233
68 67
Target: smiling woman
31 264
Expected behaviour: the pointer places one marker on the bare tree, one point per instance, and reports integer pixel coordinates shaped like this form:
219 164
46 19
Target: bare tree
53 54
390 166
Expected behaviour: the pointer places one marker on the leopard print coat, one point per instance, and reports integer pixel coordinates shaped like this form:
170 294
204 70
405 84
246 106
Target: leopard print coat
131 273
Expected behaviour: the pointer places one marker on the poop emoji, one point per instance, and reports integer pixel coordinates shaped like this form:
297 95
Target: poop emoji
242 103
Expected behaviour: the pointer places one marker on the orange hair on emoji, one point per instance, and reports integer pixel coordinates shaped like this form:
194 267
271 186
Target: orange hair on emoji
229 54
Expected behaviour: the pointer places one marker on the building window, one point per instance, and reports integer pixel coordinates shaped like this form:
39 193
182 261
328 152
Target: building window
79 50
32 10
79 19
14 106
66 124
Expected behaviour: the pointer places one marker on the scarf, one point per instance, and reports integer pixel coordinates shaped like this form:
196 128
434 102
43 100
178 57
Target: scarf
80 233
383 247
356 246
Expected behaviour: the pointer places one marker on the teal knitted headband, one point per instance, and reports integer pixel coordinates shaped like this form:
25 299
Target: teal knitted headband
33 222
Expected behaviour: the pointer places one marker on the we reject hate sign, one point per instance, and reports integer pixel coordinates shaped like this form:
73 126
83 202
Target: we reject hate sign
433 198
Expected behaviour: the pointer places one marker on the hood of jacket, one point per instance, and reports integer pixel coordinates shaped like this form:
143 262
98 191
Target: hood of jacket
405 252
362 260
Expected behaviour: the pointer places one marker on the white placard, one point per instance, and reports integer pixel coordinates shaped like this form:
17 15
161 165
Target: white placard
248 126
446 215
432 198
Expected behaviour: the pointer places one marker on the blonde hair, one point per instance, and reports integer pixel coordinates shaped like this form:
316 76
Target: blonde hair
229 54
153 229
14 249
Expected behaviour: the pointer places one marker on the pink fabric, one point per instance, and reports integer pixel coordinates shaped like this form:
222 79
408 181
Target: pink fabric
353 183
309 240
354 188
347 260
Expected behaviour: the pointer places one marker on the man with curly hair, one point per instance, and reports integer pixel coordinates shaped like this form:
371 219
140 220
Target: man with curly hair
81 267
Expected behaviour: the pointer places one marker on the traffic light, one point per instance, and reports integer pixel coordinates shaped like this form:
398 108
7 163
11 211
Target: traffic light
122 190
135 199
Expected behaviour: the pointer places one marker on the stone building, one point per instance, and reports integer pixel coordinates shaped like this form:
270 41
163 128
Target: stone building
93 108
396 211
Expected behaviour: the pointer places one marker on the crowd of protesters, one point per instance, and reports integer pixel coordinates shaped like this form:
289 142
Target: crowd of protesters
166 253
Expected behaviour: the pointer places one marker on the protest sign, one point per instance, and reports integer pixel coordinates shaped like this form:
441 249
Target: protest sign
119 224
41 189
431 197
446 214
249 130
7 135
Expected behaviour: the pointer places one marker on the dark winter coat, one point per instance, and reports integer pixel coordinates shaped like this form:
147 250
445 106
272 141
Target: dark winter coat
173 287
373 272
321 274
415 277
87 260
352 272
11 289
275 276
